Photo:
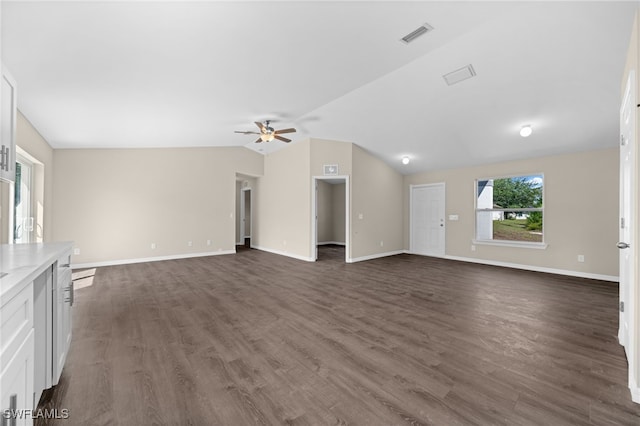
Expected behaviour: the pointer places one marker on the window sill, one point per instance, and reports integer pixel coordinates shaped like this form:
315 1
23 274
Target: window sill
519 244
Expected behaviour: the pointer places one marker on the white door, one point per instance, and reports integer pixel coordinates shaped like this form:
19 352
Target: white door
626 244
427 231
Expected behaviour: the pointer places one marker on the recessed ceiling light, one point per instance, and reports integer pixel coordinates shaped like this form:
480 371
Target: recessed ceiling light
405 159
526 131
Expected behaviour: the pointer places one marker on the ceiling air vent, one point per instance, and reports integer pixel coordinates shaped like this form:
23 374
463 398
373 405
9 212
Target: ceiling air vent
459 75
422 30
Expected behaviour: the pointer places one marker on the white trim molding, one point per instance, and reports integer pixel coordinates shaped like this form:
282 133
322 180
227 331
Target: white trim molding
148 259
579 274
509 243
635 390
283 253
335 243
374 256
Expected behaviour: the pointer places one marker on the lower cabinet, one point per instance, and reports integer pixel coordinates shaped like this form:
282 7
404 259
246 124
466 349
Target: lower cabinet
35 328
63 300
17 386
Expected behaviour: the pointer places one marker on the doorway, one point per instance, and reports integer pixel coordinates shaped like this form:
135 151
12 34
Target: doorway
245 217
627 333
427 225
330 207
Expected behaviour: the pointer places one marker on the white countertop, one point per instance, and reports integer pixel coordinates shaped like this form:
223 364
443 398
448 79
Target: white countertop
24 262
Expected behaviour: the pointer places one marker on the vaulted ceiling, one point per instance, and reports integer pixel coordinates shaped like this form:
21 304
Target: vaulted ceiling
164 74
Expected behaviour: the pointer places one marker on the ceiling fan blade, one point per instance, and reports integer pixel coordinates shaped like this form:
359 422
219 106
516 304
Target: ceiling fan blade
260 126
246 132
291 130
280 138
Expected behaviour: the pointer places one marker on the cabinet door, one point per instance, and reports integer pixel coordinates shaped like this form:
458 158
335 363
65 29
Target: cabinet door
63 295
17 385
8 112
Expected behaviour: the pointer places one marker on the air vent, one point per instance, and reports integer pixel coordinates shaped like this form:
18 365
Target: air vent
330 169
459 75
422 30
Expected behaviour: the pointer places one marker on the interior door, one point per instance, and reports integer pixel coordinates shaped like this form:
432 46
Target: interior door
427 232
626 242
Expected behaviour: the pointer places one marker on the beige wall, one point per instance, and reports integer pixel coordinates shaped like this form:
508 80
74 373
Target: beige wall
115 203
580 215
338 230
33 144
283 202
284 199
377 195
329 152
325 212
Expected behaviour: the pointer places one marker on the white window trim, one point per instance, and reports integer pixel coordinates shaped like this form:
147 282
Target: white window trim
509 243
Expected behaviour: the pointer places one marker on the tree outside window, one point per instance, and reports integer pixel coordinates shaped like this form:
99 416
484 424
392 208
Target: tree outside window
510 208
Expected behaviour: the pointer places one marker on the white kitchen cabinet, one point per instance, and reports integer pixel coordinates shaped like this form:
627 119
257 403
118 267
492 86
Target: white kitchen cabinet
35 323
16 357
63 300
8 114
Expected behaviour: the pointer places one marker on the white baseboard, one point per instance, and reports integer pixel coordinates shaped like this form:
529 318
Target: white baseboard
148 259
567 272
335 243
283 253
635 391
374 256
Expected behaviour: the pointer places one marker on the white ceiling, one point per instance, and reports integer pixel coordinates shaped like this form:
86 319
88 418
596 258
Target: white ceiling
164 74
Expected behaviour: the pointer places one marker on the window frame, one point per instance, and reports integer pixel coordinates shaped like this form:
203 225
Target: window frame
509 243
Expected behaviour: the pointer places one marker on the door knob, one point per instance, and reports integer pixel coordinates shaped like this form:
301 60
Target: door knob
622 245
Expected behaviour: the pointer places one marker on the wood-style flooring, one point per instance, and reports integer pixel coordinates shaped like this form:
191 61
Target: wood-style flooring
257 338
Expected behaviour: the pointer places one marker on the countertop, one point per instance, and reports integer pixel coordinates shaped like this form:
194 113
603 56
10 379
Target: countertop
24 262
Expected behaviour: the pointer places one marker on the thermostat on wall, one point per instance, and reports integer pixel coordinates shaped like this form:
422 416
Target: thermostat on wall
330 169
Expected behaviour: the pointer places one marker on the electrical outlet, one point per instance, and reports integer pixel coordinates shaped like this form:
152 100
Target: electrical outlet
208 242
190 243
381 243
473 248
76 251
581 258
153 246
360 216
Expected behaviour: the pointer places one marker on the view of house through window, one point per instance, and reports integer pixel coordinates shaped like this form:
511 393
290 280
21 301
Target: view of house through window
510 209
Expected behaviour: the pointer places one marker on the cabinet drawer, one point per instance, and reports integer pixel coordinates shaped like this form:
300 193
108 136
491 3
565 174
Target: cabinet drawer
16 321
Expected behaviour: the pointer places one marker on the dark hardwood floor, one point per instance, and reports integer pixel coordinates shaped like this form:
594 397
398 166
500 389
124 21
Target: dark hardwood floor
256 338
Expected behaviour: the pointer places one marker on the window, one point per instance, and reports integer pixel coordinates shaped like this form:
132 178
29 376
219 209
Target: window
22 212
510 210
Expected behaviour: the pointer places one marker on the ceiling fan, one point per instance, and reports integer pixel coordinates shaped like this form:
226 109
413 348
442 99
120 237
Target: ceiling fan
267 133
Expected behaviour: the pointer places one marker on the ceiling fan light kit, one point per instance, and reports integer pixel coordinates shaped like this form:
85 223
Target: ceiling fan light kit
268 133
406 160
